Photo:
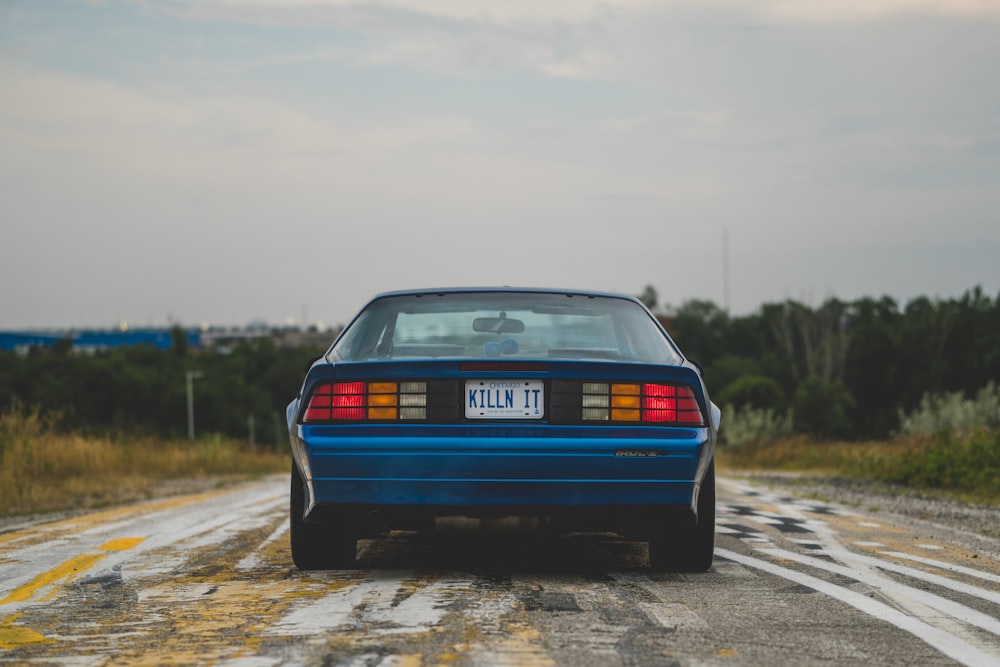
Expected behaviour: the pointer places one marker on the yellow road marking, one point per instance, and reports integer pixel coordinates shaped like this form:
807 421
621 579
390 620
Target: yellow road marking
12 637
122 544
67 570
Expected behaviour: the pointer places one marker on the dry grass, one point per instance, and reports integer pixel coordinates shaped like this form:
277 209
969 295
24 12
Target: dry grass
962 466
805 454
43 469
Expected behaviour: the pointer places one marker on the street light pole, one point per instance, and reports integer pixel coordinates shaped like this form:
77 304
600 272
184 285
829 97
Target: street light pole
191 377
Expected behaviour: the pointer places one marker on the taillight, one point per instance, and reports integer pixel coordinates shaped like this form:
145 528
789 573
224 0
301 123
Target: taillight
643 403
363 401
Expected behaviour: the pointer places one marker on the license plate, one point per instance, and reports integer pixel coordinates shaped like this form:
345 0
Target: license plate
504 399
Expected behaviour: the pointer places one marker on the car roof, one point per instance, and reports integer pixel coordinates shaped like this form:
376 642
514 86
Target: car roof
505 290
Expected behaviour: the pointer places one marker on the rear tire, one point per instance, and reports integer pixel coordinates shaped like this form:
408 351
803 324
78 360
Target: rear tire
688 548
329 546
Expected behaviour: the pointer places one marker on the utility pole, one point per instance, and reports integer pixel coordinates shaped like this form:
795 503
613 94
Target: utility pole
191 377
725 270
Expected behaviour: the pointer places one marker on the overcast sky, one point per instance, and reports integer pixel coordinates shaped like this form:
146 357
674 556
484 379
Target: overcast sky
224 161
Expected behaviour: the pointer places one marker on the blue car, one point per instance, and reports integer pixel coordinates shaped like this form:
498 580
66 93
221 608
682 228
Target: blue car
573 408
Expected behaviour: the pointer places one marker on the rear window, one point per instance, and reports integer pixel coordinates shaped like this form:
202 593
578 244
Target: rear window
506 325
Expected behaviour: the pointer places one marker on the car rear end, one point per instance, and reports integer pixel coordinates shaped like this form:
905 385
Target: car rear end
582 444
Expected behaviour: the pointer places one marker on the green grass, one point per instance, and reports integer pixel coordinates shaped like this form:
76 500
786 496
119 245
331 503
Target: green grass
961 466
43 469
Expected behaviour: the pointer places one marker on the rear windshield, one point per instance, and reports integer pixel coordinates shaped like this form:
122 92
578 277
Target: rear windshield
507 325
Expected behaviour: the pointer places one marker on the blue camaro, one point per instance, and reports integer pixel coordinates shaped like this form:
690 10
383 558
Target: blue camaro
575 408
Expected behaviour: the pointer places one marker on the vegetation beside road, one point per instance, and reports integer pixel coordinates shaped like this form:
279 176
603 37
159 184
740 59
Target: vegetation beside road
238 393
43 468
949 444
965 467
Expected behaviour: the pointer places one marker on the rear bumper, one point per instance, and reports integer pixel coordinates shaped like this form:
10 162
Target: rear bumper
479 470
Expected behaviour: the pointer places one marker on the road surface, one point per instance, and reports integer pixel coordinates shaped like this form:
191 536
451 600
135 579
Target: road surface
208 579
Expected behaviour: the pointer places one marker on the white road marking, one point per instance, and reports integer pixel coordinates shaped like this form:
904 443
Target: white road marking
952 646
253 560
207 521
420 611
328 612
945 566
766 520
914 573
950 607
373 604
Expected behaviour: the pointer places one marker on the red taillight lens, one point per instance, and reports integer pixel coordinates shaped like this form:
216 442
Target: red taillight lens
336 400
659 390
348 401
688 411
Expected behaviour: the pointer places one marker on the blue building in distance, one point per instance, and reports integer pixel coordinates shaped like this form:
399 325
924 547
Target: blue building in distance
90 340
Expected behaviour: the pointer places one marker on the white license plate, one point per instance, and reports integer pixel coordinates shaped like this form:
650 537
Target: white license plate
504 399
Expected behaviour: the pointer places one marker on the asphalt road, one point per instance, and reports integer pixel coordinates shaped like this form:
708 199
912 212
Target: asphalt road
208 579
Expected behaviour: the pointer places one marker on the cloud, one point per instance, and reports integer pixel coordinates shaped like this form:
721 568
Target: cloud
172 133
513 12
822 11
582 142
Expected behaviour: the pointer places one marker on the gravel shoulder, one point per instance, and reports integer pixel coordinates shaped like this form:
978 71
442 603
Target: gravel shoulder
973 526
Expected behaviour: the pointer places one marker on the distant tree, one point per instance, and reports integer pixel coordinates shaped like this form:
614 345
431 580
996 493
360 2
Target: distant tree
699 327
63 347
823 408
875 364
814 342
649 297
755 391
178 341
723 372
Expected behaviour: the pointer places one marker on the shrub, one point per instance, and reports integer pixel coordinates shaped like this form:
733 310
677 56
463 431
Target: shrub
823 408
728 369
755 391
953 413
749 425
969 463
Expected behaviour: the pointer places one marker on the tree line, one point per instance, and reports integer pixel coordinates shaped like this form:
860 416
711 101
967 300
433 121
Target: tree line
240 392
841 369
846 369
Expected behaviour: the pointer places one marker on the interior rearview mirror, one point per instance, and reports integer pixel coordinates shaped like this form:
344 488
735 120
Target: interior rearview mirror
499 325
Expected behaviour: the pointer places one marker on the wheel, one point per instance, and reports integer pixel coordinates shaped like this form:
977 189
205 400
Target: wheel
331 546
688 548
